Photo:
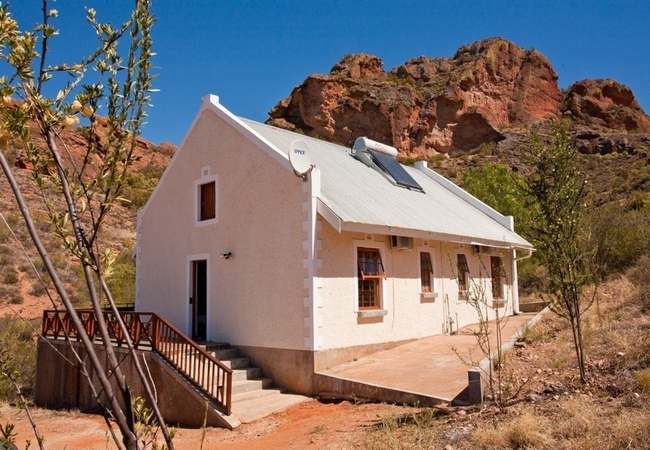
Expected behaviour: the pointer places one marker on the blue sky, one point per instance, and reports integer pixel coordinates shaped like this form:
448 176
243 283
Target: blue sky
253 53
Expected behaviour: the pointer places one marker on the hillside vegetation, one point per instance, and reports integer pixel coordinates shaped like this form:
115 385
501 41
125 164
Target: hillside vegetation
20 288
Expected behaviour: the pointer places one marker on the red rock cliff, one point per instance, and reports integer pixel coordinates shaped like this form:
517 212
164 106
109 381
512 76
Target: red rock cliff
449 105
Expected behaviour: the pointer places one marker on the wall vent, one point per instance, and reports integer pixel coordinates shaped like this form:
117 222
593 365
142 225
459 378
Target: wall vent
401 242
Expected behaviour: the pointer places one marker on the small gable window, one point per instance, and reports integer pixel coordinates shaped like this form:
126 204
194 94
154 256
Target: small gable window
370 274
208 201
206 192
463 274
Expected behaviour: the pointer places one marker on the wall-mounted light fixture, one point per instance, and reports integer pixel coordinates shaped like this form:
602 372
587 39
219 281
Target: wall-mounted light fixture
227 255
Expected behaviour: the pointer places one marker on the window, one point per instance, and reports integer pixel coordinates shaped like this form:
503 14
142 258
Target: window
426 272
496 265
370 273
206 198
207 201
463 271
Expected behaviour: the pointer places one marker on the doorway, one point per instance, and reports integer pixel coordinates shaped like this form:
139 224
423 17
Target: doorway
199 299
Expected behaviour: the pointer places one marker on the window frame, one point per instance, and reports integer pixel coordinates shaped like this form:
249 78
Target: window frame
198 194
497 275
426 272
376 278
207 205
462 268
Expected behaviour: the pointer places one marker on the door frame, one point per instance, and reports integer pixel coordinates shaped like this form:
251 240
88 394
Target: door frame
191 260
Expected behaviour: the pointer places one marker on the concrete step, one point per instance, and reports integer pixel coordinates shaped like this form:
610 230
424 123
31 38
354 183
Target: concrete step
211 346
253 395
237 363
255 408
247 373
244 396
226 353
239 387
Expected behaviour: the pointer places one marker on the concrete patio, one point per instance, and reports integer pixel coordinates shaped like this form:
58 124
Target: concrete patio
424 371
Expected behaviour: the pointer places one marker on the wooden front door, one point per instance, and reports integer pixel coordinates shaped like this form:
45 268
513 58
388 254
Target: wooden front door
199 299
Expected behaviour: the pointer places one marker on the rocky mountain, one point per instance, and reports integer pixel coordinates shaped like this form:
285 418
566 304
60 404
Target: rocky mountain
488 92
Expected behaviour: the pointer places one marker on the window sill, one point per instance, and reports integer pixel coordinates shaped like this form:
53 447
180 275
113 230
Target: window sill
202 223
428 297
372 313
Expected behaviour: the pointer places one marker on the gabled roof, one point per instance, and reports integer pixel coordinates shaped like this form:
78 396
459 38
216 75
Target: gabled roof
356 197
359 198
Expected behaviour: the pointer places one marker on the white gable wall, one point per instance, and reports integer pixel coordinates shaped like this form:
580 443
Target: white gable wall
255 298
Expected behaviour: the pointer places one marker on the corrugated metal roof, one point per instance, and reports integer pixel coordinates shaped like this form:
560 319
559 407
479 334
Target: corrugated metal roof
360 197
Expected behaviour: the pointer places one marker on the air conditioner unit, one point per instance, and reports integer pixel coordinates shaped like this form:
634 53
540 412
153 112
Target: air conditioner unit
401 242
482 249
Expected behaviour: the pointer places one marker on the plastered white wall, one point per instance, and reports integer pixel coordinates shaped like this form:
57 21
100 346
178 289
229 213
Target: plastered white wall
407 317
461 311
257 296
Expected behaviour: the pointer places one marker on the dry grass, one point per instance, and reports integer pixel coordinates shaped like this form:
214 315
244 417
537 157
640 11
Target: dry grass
643 378
413 431
611 412
524 431
569 424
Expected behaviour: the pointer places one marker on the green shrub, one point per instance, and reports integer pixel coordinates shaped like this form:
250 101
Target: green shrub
18 352
167 150
10 294
618 237
37 289
639 275
10 275
501 188
5 234
121 281
485 149
532 277
643 378
139 185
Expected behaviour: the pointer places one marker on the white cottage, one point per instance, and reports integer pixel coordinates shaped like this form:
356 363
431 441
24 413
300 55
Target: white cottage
305 272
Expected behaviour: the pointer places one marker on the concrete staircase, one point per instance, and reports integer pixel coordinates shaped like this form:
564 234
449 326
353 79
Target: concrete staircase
253 395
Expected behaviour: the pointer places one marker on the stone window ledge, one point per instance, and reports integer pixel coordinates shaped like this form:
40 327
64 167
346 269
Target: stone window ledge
372 313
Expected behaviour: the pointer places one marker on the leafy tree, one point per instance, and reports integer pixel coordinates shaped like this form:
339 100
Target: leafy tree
79 191
500 188
618 236
556 190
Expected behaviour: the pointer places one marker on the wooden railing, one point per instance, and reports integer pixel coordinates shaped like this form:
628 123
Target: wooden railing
149 331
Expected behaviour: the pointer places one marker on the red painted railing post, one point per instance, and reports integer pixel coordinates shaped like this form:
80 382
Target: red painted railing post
155 338
45 325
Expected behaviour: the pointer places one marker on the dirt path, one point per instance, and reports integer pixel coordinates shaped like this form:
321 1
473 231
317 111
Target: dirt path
311 424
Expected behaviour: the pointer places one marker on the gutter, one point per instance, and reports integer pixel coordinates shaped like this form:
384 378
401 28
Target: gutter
521 258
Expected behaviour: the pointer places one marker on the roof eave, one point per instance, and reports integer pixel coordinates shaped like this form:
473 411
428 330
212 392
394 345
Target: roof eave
341 225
